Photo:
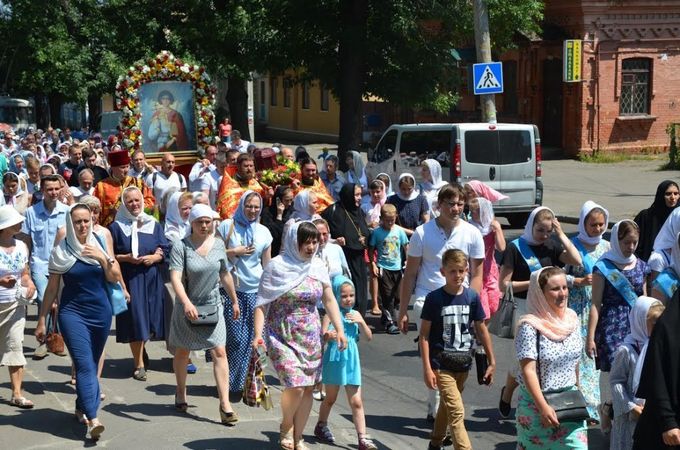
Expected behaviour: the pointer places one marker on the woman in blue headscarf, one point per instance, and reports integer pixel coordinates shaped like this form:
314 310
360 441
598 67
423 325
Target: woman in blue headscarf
248 246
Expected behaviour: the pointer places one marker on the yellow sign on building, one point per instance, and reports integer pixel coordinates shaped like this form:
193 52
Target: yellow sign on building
572 61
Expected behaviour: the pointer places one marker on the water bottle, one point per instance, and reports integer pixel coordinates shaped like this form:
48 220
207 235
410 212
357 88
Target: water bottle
262 353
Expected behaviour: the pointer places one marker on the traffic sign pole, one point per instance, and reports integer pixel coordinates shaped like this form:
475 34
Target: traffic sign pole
483 45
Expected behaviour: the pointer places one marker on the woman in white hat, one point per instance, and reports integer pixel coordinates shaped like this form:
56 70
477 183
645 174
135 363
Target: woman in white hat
14 273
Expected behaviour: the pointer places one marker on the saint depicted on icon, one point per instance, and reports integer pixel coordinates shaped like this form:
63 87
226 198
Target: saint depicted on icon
166 129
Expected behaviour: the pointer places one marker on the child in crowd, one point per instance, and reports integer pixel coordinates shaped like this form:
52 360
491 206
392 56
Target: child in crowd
343 368
446 341
626 369
391 243
372 206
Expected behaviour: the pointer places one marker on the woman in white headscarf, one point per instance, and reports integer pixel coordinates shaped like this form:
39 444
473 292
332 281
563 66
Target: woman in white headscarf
84 309
177 218
248 246
15 190
140 247
530 252
304 206
590 244
198 266
431 172
412 207
291 286
356 171
627 369
619 278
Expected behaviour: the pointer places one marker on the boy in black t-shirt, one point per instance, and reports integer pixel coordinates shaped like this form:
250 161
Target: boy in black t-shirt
446 341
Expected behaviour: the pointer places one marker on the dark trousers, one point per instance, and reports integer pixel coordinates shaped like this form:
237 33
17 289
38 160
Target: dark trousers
359 270
388 291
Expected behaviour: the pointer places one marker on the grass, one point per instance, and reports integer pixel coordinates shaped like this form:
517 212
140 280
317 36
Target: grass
606 158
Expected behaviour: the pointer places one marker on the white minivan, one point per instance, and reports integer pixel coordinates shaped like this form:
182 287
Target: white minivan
506 157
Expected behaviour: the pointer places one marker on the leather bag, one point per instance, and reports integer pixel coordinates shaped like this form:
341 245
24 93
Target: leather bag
501 322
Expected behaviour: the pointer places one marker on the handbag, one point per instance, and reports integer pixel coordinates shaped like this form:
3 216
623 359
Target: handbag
501 322
207 315
255 390
569 405
482 364
114 291
454 361
54 339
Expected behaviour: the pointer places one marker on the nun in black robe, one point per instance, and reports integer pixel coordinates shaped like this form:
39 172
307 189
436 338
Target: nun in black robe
660 384
651 219
346 219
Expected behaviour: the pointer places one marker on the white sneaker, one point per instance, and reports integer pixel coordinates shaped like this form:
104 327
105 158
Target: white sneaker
40 352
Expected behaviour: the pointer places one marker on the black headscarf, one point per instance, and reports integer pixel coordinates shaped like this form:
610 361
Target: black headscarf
660 380
651 219
346 219
268 219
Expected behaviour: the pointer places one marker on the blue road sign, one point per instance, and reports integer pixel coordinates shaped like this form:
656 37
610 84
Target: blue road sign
488 78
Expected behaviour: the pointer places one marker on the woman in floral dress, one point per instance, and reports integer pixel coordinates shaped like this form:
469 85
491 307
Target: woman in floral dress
290 287
592 225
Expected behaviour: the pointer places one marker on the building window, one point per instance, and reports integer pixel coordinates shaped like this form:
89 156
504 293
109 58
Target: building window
305 95
262 93
324 98
635 86
273 88
286 93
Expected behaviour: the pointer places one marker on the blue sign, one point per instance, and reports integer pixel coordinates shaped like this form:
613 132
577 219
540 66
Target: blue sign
488 78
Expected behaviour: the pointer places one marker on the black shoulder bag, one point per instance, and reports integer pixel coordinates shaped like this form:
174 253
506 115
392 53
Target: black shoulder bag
569 406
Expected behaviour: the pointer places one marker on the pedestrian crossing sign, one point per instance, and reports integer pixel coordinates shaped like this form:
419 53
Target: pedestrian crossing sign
488 78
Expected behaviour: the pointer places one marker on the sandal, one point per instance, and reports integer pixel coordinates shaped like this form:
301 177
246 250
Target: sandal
228 418
21 402
139 374
366 443
323 433
80 416
300 445
94 431
286 440
181 406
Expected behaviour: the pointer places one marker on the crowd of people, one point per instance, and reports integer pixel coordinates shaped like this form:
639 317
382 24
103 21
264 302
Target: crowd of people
295 266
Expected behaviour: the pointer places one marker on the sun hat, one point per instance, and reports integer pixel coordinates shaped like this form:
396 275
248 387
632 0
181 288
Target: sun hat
9 216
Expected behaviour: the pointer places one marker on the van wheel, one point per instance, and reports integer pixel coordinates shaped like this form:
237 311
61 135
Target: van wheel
517 220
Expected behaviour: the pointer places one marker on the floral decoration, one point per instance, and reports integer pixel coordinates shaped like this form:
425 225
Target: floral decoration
164 67
283 174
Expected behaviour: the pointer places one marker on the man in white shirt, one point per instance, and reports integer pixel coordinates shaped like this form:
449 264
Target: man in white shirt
139 168
201 168
426 247
237 143
210 183
165 179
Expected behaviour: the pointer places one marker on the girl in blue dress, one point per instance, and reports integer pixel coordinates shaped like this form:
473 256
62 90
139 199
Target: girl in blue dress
343 368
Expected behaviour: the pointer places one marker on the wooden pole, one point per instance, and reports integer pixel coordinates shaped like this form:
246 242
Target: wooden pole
483 44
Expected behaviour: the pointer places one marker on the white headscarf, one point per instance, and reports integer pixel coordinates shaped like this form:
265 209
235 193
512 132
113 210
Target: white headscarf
436 173
389 190
64 256
357 173
287 270
614 254
173 218
301 206
415 192
132 225
486 216
668 232
528 234
675 256
639 336
200 210
582 232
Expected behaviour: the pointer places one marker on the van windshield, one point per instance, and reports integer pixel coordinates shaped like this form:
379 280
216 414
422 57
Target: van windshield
498 147
430 144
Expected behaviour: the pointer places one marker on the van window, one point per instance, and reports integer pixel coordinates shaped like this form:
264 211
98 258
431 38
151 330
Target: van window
481 147
385 148
515 146
498 147
433 144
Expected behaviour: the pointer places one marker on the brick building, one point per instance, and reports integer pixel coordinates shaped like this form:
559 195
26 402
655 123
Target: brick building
631 76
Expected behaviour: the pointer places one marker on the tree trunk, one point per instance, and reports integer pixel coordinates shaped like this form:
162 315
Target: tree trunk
42 112
353 23
94 108
237 98
56 101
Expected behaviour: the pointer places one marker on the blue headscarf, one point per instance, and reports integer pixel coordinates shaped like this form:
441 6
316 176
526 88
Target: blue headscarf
241 219
338 282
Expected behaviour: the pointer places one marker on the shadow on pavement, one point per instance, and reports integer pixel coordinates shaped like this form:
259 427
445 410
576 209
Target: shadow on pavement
405 426
206 444
140 412
43 387
50 422
411 353
192 390
490 422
